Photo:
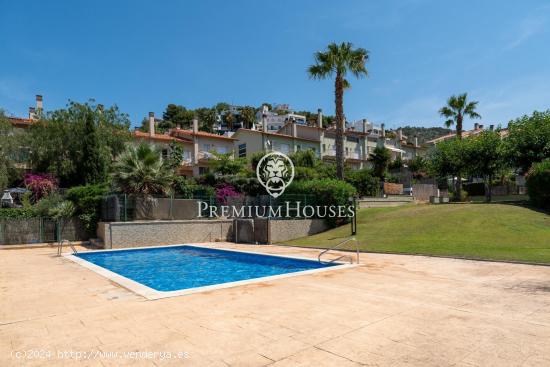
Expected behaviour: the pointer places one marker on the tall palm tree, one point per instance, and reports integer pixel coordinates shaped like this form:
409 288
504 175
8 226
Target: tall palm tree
141 171
456 109
337 61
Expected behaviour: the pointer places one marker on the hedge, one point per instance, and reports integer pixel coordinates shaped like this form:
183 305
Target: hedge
538 184
18 213
324 192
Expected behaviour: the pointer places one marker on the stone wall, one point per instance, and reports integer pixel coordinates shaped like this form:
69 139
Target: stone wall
285 230
157 233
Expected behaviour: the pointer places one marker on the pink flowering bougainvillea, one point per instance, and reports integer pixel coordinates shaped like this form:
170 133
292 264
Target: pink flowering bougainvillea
225 191
41 184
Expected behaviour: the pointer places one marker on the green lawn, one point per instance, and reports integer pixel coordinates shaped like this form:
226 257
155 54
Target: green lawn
481 231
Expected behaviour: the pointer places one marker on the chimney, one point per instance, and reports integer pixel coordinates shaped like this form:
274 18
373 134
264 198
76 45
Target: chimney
365 125
383 130
319 117
32 113
399 134
416 141
476 126
151 124
195 125
264 118
491 127
480 127
39 104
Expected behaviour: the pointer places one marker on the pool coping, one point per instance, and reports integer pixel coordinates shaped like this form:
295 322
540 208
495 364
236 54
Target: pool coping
153 294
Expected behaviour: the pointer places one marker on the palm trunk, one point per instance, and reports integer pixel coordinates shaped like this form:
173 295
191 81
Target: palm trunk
458 188
339 101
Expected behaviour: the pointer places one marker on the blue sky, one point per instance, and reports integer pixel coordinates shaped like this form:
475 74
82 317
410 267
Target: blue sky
143 55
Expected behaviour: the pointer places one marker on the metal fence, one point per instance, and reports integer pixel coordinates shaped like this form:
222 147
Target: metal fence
121 207
39 230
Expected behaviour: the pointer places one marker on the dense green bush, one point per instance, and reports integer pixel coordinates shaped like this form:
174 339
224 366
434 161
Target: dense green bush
324 192
475 188
538 184
364 182
18 213
306 173
87 200
189 188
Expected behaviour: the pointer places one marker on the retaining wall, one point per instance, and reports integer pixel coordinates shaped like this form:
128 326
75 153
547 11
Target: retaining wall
156 233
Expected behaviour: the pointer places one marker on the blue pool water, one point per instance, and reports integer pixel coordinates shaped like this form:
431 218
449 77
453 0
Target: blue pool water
184 267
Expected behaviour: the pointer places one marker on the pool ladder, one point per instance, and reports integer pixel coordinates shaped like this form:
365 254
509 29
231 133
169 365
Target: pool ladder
350 258
60 247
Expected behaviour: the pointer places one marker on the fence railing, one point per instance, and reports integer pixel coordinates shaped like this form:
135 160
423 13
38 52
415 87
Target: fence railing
39 230
122 207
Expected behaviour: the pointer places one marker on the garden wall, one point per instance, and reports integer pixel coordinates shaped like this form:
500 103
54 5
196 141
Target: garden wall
157 233
393 188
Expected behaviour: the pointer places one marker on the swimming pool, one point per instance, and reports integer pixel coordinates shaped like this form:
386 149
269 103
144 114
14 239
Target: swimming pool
157 272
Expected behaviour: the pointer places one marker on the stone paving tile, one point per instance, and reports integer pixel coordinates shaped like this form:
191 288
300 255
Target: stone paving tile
391 311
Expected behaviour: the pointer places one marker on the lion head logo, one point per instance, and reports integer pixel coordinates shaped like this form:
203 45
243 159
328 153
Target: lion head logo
275 171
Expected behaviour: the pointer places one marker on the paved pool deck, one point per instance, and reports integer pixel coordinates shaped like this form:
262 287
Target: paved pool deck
392 310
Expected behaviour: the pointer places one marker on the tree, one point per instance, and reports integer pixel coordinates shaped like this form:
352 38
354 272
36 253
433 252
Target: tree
8 150
141 171
485 158
93 164
57 140
229 120
447 159
175 115
248 116
456 109
338 60
207 118
380 158
226 164
528 140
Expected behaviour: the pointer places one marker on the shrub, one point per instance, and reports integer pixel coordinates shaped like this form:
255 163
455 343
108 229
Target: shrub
304 158
324 192
41 184
225 191
87 200
463 195
364 182
46 204
305 173
538 184
18 213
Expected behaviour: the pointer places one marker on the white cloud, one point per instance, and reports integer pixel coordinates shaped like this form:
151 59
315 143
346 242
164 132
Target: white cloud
528 28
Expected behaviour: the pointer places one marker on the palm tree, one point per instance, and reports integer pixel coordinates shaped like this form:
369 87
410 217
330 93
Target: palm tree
141 171
338 60
457 107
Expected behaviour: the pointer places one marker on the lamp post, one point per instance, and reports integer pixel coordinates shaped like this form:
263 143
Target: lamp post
353 203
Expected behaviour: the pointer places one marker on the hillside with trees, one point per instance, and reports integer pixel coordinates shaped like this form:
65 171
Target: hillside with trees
425 133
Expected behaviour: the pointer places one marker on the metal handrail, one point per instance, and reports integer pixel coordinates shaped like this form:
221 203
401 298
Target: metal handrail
343 256
60 247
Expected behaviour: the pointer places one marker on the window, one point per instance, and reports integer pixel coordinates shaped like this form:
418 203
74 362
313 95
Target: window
186 155
242 150
285 148
222 150
206 147
298 147
165 154
324 148
203 170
